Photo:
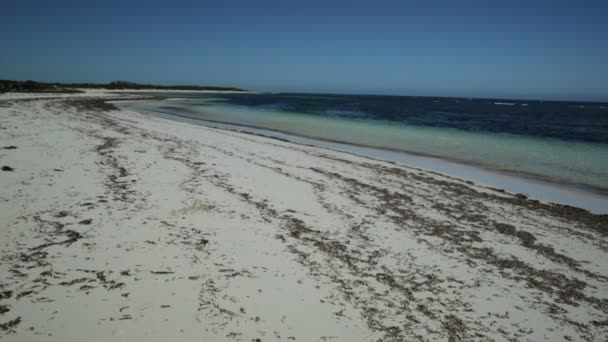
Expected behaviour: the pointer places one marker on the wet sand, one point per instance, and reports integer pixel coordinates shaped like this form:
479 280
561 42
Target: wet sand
121 226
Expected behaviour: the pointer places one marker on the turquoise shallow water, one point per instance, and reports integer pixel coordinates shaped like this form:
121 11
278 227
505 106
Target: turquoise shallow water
577 162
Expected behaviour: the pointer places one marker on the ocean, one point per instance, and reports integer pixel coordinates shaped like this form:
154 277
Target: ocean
562 142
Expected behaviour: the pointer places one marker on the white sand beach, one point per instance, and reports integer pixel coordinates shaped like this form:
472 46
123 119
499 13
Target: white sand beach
118 226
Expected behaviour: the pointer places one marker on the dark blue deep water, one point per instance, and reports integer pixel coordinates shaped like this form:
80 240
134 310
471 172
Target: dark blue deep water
571 121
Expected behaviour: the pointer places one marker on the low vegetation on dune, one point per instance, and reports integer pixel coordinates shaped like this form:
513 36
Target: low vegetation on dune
34 87
131 85
41 87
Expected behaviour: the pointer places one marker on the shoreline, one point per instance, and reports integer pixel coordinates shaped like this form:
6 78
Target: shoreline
540 187
119 225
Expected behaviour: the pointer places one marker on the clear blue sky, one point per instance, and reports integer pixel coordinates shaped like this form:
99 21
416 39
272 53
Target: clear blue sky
526 49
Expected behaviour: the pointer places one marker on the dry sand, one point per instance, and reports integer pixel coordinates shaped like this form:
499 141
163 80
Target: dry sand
117 226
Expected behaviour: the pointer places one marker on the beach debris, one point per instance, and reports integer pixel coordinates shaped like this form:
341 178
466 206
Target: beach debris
24 294
353 260
7 168
455 327
603 323
9 147
4 309
102 277
526 238
87 221
8 326
73 236
75 281
505 228
61 214
115 285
